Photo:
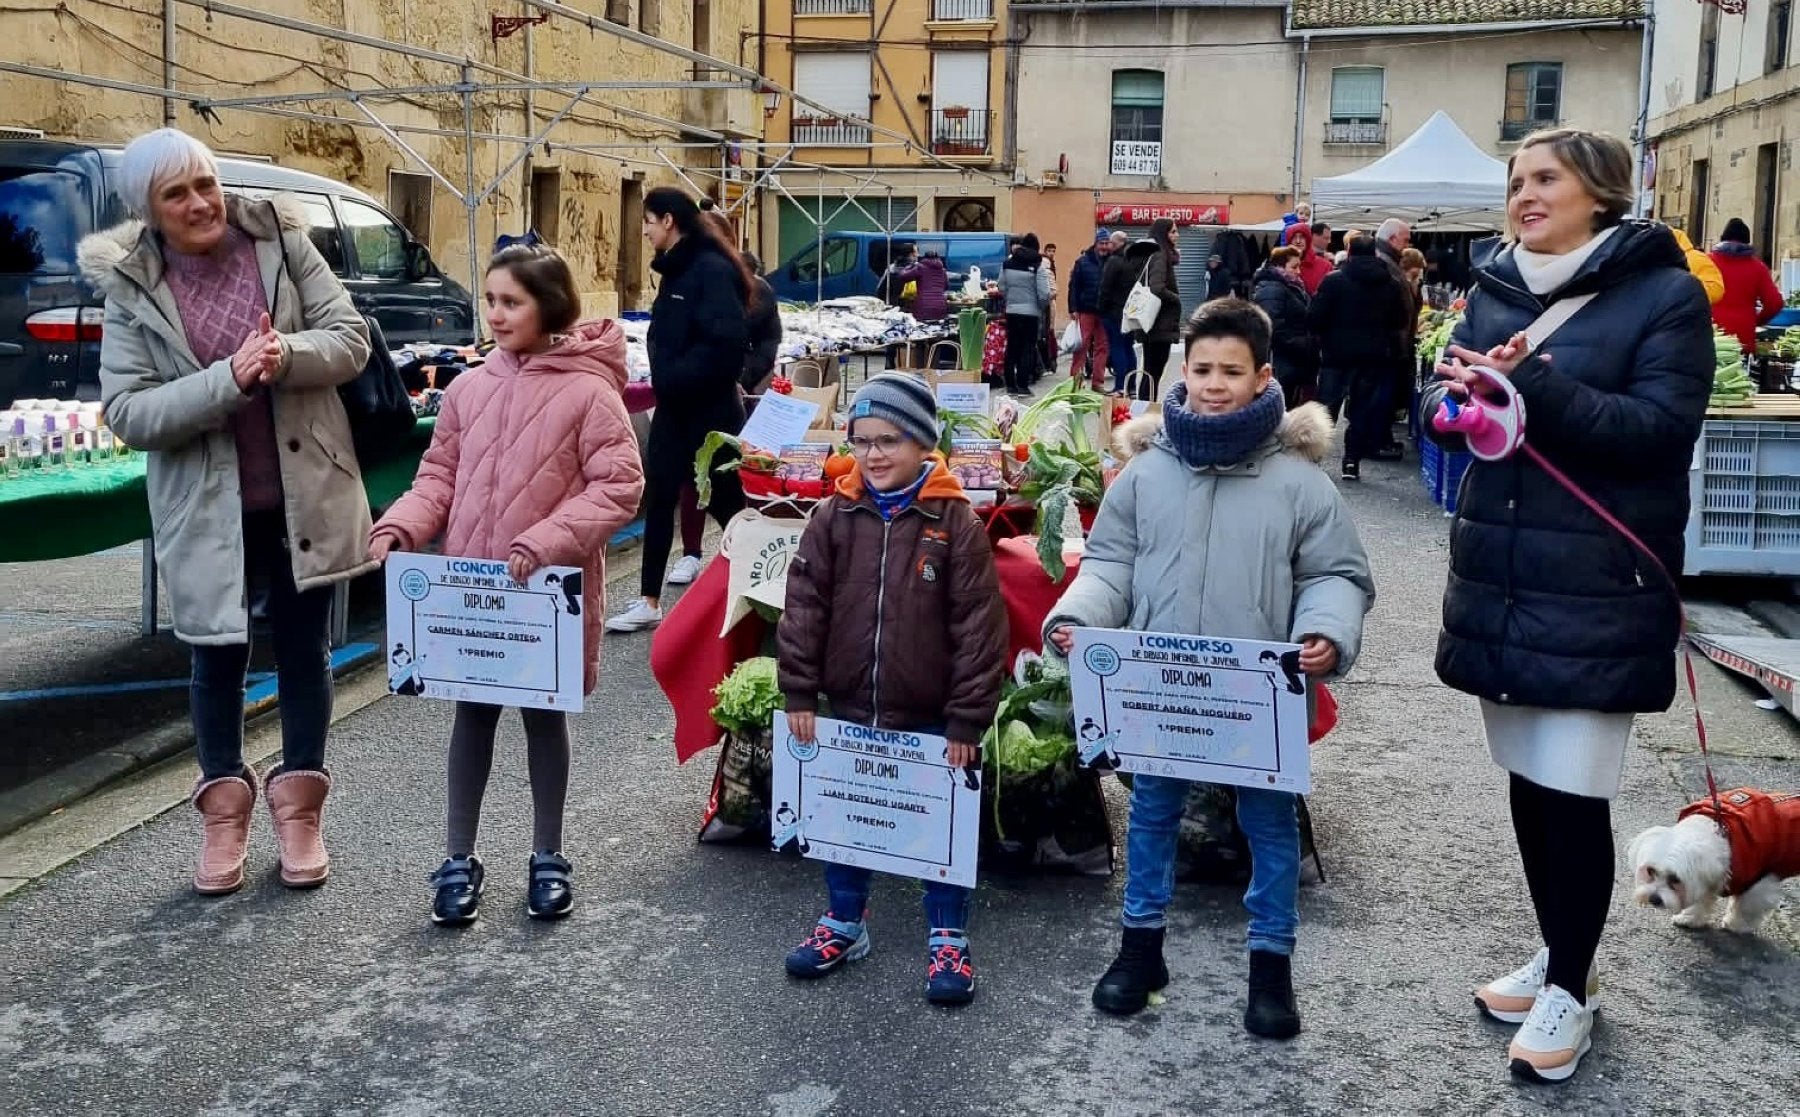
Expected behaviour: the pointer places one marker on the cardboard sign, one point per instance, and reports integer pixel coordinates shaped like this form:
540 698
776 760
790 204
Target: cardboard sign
462 630
877 798
968 399
1191 707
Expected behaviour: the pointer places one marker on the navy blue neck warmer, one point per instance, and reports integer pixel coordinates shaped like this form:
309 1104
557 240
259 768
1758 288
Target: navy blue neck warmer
1209 440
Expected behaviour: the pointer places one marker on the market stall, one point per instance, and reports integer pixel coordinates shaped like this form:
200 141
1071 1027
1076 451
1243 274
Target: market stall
1437 179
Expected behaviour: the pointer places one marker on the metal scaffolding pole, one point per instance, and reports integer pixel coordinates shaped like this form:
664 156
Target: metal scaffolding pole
471 203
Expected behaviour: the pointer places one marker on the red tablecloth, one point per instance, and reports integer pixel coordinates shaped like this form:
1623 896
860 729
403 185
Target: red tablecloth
689 660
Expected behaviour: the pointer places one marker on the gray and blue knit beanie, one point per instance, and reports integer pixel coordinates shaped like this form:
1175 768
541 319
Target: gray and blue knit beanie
903 400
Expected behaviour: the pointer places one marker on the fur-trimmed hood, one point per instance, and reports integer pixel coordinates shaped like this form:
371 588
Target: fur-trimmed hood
129 250
1306 431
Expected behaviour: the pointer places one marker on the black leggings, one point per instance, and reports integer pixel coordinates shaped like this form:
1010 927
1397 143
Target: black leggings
1156 358
1566 843
1021 351
472 758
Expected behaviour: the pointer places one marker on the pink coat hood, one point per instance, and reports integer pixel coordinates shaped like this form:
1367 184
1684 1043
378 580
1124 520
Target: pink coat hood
532 453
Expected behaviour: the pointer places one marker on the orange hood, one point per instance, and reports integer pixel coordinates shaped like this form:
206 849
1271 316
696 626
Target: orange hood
941 485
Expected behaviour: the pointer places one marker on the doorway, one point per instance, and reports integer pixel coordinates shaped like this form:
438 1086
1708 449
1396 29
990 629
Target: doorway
1698 189
631 243
546 202
1764 232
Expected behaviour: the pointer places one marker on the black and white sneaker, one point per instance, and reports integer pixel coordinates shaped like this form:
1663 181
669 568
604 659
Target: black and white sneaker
551 891
1352 470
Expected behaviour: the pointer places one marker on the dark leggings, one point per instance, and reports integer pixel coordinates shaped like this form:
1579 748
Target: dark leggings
662 499
301 623
1021 351
693 521
1566 843
1156 357
472 758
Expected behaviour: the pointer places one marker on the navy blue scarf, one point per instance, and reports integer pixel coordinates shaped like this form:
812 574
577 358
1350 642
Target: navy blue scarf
1209 440
891 504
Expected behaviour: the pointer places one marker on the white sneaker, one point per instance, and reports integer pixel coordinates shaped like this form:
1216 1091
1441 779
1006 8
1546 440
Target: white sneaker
1510 999
1553 1039
686 569
635 619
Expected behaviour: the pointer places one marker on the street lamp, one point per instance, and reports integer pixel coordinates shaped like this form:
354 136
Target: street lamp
771 102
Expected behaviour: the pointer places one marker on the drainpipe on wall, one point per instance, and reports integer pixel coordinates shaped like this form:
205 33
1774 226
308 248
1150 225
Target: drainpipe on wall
1639 205
168 60
526 168
1014 39
1300 116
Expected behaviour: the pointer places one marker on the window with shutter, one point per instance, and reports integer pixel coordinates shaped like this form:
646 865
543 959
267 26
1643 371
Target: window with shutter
1357 94
838 80
1137 106
1533 98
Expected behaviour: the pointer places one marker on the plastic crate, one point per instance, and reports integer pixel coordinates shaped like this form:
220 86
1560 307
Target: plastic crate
1451 478
1431 463
1745 488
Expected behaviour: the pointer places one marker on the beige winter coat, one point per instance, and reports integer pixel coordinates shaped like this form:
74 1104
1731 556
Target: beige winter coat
160 400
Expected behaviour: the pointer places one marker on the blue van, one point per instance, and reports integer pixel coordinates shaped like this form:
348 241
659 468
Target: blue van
855 262
53 193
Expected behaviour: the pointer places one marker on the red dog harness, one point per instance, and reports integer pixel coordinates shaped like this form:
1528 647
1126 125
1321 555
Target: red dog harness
1764 831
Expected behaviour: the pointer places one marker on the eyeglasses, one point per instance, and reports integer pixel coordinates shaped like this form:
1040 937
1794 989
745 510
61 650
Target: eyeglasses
886 443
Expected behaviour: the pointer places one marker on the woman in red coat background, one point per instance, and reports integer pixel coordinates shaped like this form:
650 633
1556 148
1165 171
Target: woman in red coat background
1751 297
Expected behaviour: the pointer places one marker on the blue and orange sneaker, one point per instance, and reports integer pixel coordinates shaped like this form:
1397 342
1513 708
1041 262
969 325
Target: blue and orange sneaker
950 974
833 943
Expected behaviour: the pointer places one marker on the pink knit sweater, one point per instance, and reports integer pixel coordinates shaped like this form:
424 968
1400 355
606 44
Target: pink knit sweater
220 298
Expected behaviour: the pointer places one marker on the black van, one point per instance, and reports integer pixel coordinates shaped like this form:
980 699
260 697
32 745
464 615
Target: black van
52 194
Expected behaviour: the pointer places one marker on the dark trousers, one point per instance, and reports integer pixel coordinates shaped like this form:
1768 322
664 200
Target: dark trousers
693 521
1566 844
1021 351
1156 358
301 623
662 501
1370 410
1119 353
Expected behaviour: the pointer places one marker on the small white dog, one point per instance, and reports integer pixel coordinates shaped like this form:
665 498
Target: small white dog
1741 855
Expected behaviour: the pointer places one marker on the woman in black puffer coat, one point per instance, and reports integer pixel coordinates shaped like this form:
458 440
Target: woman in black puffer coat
1557 623
1282 296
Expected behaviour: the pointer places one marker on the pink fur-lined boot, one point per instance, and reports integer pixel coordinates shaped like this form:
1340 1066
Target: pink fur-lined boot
297 805
224 805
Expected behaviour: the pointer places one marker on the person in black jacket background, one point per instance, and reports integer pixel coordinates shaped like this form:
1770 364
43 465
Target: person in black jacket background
1556 622
1358 316
1116 280
698 340
1282 296
1084 308
764 325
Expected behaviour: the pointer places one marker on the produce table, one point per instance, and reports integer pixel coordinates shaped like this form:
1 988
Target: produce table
689 658
83 509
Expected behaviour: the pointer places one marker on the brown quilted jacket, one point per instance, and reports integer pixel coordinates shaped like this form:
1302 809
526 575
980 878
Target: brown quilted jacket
899 624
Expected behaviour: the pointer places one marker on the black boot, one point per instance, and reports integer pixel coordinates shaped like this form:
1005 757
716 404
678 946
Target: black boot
458 884
550 895
1137 972
1272 1013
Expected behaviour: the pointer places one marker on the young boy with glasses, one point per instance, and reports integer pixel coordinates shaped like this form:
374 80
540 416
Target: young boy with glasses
894 618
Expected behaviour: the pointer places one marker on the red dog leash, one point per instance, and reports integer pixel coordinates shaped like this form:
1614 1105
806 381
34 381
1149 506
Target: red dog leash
1687 654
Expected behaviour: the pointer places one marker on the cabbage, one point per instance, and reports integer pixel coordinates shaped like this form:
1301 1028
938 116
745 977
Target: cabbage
746 701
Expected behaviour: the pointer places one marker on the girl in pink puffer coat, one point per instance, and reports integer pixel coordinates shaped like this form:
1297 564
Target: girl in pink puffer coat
533 463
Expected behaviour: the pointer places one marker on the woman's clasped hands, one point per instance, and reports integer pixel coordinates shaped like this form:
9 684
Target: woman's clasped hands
262 359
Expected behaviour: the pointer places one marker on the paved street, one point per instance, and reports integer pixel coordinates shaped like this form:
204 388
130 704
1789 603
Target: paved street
663 994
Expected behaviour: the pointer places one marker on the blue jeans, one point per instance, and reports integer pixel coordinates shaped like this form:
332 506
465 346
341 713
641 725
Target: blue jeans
946 905
1119 352
1270 822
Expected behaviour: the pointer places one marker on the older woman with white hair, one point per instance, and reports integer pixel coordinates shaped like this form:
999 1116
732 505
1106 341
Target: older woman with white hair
225 338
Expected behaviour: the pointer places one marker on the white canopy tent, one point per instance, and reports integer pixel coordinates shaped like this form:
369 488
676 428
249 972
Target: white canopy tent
1437 179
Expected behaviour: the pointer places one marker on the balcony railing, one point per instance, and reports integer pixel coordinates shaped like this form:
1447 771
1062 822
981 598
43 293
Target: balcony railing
964 132
947 11
833 7
814 132
1512 131
1371 132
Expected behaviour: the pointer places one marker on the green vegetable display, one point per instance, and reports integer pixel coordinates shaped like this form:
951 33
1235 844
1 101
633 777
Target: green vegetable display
746 701
1731 384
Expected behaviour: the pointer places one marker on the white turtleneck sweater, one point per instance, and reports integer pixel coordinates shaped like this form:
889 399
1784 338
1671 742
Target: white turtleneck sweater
1546 274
